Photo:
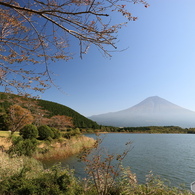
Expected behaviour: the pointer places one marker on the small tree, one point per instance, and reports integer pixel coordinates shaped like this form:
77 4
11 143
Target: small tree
103 170
18 117
45 132
29 131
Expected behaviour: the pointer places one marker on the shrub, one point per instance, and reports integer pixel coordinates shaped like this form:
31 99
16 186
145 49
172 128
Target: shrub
67 135
45 132
56 132
53 181
22 146
72 132
29 132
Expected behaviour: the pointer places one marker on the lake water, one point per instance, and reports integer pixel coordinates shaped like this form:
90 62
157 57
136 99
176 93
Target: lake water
171 156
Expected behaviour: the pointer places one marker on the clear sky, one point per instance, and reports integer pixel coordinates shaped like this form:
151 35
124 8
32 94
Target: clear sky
160 60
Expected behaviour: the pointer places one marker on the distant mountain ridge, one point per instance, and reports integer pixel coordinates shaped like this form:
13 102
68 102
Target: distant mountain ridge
153 111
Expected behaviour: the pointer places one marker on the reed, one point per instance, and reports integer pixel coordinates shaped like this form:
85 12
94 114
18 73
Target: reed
64 149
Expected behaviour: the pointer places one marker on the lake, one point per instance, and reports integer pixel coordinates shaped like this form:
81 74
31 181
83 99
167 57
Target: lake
171 156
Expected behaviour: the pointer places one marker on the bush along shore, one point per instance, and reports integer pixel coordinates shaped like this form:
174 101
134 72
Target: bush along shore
25 175
44 143
21 171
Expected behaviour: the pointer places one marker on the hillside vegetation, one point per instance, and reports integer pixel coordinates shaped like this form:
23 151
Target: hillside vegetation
58 109
44 112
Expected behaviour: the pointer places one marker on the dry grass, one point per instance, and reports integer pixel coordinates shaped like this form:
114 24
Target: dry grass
10 166
5 143
66 148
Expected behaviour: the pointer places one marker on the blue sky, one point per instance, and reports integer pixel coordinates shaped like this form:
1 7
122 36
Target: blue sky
160 60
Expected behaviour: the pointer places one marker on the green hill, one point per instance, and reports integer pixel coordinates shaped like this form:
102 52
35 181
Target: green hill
38 106
58 109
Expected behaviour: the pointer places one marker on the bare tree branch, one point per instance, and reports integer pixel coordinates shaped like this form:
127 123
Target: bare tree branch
35 32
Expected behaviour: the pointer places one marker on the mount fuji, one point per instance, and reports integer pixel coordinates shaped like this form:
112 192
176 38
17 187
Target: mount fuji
153 111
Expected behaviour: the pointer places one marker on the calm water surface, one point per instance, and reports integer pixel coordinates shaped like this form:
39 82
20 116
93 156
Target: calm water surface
171 156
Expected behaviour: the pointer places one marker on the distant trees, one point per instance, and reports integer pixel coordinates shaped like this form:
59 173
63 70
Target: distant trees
60 121
36 31
153 129
55 109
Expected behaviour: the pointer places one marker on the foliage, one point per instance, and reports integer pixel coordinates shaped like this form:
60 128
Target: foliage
71 133
53 181
22 146
58 109
29 132
3 120
18 117
34 32
191 130
45 132
60 121
56 133
22 175
154 129
45 112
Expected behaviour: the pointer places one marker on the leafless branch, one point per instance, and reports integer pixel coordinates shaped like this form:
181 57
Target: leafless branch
34 32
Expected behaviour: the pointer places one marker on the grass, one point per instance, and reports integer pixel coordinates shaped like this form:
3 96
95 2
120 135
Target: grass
52 150
63 149
11 166
5 143
7 134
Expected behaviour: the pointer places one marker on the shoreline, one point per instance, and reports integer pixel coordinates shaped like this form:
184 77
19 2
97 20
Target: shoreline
55 150
65 149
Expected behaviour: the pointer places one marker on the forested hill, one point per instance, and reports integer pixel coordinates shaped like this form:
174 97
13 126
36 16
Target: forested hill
58 109
46 109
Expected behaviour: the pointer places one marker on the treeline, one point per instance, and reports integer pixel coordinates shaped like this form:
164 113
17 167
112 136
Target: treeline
148 129
154 129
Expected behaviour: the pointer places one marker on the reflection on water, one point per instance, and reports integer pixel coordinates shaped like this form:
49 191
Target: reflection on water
171 156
